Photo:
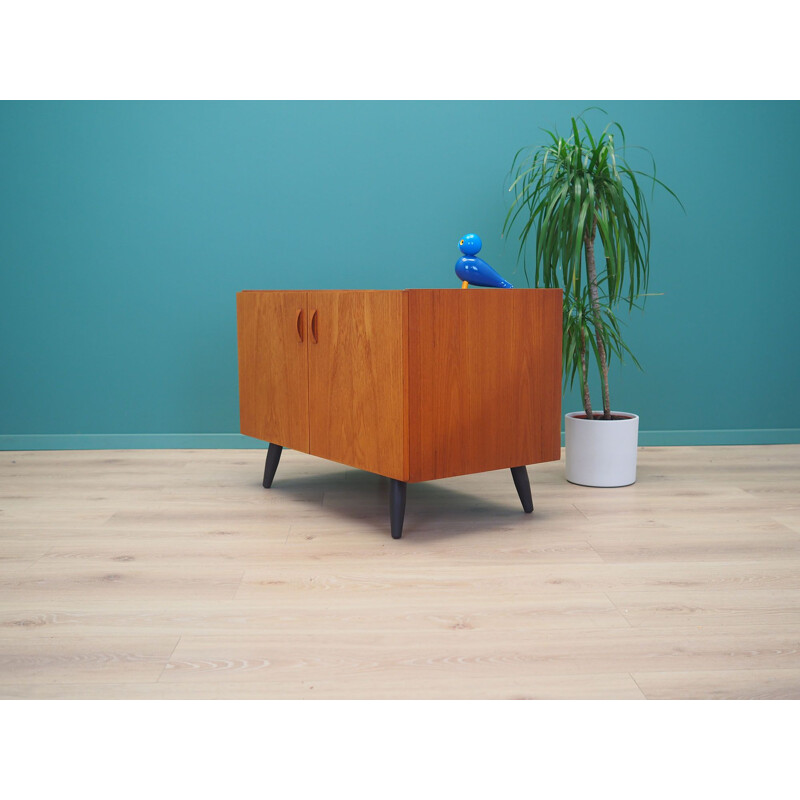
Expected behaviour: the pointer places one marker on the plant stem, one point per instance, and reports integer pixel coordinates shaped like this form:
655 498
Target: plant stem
588 241
587 402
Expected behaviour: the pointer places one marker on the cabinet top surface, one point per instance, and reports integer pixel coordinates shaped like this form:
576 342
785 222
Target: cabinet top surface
374 291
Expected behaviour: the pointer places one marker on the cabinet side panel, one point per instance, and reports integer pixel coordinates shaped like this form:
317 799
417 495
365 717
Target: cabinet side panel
273 367
515 377
484 380
356 385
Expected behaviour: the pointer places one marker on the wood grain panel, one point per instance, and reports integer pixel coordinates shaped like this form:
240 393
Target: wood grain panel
484 380
339 656
677 606
741 684
273 367
437 685
355 368
84 659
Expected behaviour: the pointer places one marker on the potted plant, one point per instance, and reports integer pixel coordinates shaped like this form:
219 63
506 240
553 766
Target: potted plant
567 194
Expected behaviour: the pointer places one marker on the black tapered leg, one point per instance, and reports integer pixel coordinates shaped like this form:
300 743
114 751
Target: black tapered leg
273 459
520 475
397 506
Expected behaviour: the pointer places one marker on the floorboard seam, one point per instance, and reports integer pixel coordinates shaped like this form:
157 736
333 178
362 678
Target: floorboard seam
616 607
581 512
169 658
238 587
644 696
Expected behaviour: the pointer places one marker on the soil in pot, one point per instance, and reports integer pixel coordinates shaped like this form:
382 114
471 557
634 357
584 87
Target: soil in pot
601 417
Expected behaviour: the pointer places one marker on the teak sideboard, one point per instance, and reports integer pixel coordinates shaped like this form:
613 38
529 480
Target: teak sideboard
415 385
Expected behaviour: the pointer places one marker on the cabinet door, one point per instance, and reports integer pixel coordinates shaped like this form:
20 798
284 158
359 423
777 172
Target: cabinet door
356 401
273 367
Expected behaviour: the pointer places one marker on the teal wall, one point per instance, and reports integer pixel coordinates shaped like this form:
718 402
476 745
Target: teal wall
126 228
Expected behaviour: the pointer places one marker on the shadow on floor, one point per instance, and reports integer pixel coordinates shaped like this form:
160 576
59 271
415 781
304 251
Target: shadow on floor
433 509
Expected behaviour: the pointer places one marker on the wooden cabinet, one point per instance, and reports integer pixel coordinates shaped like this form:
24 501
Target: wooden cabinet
414 385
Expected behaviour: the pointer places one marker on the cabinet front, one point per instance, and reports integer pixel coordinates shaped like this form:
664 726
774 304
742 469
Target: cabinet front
355 379
273 367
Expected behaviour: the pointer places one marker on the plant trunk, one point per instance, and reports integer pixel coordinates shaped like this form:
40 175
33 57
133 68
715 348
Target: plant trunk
594 294
587 402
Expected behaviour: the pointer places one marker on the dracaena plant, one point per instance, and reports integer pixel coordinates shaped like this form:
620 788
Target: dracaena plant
580 334
567 193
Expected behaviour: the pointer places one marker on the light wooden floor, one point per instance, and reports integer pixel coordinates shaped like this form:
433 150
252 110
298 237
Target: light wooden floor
173 574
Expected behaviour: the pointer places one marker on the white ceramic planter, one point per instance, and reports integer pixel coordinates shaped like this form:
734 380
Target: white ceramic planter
601 452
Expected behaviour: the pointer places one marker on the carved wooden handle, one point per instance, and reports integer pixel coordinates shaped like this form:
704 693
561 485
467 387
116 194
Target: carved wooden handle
314 328
299 324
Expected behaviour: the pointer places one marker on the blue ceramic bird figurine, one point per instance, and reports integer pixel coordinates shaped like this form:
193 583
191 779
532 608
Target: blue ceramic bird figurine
475 270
